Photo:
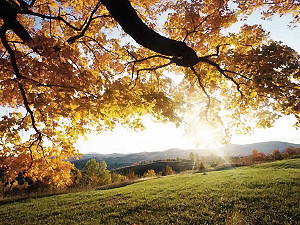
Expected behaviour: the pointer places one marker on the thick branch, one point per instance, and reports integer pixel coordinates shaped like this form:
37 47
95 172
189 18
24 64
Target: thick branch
123 12
8 13
12 54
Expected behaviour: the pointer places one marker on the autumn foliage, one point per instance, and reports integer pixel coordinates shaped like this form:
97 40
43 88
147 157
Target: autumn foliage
68 68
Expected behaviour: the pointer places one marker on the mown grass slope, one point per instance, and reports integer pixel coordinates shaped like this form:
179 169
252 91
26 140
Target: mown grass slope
260 194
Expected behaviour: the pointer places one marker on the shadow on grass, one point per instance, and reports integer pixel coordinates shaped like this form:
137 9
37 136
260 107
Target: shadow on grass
24 197
118 185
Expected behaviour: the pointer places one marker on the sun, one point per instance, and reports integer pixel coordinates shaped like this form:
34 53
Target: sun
204 134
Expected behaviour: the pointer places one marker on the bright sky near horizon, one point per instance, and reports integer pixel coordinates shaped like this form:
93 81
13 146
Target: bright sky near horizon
158 137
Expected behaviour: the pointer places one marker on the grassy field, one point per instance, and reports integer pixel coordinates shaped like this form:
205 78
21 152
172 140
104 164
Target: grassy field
260 194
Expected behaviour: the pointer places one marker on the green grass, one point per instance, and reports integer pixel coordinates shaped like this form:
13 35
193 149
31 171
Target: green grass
280 164
259 194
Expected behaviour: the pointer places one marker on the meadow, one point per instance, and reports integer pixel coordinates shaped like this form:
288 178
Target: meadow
266 193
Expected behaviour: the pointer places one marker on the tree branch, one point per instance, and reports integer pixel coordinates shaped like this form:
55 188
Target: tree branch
100 45
59 18
196 27
148 69
204 90
217 66
11 52
147 58
38 140
72 39
123 12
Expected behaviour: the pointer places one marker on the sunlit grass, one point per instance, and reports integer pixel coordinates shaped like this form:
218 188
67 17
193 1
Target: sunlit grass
260 194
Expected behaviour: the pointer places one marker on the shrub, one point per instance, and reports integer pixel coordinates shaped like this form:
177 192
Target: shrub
169 171
150 173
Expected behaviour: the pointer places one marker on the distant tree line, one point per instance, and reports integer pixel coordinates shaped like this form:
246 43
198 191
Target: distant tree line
260 157
214 162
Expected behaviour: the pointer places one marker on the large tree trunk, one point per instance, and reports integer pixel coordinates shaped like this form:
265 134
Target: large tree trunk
123 12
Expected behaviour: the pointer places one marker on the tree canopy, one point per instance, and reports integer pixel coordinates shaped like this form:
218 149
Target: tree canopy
73 67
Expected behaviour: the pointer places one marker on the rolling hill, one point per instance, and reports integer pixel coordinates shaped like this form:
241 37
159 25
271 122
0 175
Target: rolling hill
262 194
116 160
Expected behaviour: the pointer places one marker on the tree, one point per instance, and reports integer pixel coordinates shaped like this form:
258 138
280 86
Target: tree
104 174
132 176
116 178
90 172
96 174
194 157
200 167
67 68
257 156
290 152
276 155
214 164
150 173
169 171
76 177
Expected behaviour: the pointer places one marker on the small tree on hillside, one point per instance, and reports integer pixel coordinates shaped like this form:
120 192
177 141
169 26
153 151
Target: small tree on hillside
90 172
194 158
200 167
291 152
132 176
150 173
115 177
169 171
214 163
76 177
104 174
257 156
96 174
276 155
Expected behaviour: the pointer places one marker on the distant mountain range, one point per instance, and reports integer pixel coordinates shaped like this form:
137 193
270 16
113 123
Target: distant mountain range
116 160
266 147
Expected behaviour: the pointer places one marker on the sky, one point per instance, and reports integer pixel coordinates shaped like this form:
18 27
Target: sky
159 137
